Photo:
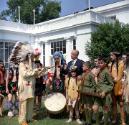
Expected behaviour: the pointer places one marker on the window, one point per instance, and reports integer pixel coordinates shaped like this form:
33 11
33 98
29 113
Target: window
74 43
5 51
44 54
58 46
113 17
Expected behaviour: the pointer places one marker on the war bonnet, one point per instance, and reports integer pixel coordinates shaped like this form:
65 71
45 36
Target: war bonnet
19 52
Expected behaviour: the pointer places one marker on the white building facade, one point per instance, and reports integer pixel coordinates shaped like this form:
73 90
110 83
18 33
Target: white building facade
62 34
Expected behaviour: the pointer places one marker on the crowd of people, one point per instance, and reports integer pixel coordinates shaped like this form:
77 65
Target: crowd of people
88 86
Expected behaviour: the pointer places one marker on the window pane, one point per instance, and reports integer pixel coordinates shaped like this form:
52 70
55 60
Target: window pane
52 51
59 46
6 55
52 45
6 65
1 44
64 43
1 54
74 43
43 49
6 45
64 50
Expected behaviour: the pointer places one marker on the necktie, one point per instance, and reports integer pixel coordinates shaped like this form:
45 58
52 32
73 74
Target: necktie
72 62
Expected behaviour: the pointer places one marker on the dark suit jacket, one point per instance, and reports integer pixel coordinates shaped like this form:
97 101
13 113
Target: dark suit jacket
79 64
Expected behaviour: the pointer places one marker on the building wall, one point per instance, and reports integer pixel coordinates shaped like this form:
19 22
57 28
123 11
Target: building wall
122 15
119 9
80 33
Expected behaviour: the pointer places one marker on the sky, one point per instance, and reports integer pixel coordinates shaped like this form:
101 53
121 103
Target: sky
71 6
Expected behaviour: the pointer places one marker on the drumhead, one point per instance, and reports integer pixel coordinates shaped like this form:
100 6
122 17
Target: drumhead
55 103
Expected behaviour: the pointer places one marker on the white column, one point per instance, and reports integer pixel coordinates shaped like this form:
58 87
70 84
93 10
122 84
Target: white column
81 43
69 48
47 53
40 46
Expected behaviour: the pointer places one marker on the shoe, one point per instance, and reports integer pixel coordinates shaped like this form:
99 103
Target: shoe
102 121
114 122
10 114
79 121
15 112
0 112
123 123
24 123
87 124
70 120
32 120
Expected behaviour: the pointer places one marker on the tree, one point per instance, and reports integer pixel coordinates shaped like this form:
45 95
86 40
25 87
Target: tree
44 10
108 37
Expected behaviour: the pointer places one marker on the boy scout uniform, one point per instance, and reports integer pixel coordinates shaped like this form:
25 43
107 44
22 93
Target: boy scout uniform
86 89
105 84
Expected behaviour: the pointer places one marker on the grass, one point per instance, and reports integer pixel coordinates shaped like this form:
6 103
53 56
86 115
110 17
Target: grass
42 118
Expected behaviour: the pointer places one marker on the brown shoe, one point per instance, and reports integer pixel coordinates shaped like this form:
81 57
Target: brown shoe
33 120
24 123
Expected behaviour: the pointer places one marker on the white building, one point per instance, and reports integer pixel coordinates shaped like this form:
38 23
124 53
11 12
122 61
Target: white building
61 34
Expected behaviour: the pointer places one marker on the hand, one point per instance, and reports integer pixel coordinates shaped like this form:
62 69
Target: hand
103 94
115 79
120 92
79 77
50 87
79 96
7 91
65 66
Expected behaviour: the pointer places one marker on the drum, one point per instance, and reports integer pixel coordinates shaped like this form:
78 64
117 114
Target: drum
55 103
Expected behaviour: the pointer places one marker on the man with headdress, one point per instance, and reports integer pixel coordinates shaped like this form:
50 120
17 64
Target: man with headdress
23 55
58 78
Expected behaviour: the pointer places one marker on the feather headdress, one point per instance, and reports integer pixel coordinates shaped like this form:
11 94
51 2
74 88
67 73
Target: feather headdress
19 52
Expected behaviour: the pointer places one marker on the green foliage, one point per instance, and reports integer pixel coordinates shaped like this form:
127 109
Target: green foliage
108 37
44 10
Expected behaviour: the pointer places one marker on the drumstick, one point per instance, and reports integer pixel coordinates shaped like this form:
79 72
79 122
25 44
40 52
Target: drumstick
49 67
43 70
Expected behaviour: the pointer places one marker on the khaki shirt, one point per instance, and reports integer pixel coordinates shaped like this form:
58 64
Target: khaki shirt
72 86
117 76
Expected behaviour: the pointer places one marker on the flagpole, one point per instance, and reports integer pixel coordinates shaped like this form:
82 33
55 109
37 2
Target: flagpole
89 2
33 16
19 18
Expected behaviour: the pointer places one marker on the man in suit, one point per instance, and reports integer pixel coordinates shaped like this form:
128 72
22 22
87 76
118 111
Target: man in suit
75 62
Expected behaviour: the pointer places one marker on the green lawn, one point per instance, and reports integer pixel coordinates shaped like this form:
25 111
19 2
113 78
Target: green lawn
43 118
45 121
40 119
